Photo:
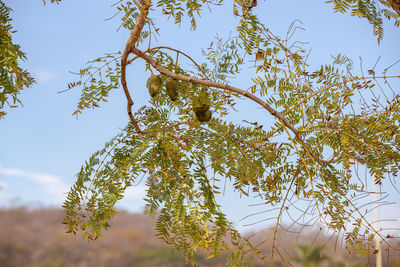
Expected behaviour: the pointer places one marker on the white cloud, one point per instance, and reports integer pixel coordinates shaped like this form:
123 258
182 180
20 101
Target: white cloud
44 76
50 183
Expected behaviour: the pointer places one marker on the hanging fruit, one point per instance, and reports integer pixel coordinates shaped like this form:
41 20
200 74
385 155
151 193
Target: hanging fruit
154 84
201 103
203 116
201 107
172 89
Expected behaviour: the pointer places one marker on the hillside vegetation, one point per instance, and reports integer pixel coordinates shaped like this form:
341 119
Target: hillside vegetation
37 238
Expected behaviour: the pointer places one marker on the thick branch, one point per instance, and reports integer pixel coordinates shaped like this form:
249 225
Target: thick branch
227 87
130 44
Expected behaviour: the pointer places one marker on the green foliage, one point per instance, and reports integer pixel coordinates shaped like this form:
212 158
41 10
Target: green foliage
328 119
224 59
177 9
179 189
13 78
373 11
305 154
97 80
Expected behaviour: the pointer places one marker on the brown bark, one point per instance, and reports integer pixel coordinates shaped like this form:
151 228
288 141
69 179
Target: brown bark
134 36
395 5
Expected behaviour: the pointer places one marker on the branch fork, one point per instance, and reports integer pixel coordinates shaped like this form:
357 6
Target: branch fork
131 48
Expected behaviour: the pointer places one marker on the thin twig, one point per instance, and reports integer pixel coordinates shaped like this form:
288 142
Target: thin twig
175 50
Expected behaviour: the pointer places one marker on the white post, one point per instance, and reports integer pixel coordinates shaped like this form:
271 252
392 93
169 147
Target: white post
377 228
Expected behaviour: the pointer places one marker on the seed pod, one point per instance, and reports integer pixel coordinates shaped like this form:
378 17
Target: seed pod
201 103
154 84
172 89
203 116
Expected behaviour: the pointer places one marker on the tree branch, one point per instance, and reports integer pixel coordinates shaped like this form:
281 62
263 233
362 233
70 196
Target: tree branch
395 5
228 87
130 44
175 50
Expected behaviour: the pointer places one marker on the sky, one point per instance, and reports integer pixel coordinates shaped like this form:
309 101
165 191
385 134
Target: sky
42 146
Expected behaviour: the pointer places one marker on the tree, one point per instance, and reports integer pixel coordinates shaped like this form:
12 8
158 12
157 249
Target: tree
306 154
13 78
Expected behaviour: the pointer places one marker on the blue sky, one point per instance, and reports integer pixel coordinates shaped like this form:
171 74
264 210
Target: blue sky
42 146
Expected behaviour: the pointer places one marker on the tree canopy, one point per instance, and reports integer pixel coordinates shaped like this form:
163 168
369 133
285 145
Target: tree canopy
184 148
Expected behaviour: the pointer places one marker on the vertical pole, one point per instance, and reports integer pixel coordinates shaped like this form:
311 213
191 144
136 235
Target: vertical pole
377 228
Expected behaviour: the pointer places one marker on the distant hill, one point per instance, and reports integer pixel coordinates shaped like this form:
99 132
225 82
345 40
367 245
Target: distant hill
36 238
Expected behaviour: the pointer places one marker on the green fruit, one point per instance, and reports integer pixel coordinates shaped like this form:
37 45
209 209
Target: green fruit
172 89
154 85
201 103
203 116
201 109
